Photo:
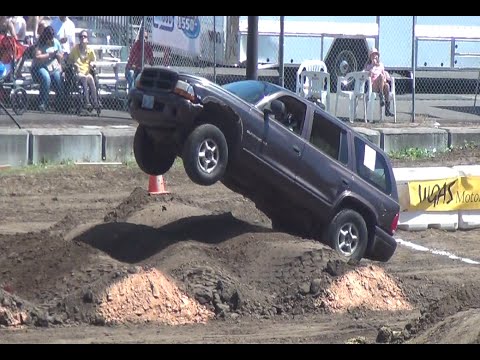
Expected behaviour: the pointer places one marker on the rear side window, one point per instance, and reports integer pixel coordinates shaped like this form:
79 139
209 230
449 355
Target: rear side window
372 166
329 138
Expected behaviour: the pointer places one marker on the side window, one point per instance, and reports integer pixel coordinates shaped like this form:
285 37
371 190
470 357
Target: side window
329 138
294 116
371 166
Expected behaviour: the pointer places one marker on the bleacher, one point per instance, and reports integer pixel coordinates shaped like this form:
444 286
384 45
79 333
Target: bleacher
110 65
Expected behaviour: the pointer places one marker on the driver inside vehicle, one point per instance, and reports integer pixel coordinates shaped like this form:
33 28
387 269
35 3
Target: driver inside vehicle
287 118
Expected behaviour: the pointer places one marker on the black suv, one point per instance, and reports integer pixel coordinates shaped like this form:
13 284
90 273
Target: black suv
309 172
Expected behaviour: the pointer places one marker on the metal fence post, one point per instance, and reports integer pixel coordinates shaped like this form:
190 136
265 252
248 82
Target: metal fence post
280 52
414 65
214 50
142 33
252 48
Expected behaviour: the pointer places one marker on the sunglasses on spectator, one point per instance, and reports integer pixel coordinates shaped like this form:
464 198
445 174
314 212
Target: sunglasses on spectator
83 36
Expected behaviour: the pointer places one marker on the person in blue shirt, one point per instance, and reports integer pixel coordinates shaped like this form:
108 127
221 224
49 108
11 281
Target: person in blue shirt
47 68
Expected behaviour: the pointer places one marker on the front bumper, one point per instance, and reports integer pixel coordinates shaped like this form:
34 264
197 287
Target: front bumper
169 109
383 246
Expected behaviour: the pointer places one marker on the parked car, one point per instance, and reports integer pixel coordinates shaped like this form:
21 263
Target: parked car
312 174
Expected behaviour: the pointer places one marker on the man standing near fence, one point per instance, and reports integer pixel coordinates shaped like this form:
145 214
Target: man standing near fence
65 33
134 64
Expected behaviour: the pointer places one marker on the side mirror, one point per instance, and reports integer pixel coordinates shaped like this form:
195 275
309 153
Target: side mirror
276 107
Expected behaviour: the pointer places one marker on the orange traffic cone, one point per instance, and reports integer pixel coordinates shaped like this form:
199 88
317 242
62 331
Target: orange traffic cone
157 185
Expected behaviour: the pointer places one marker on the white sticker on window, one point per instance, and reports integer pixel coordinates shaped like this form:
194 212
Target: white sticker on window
370 157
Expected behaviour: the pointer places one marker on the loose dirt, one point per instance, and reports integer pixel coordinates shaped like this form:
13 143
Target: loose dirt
87 245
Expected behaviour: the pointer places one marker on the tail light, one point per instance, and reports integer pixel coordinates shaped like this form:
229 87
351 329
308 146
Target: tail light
394 225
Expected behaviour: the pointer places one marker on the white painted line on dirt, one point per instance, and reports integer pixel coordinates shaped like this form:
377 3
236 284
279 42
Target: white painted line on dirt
436 252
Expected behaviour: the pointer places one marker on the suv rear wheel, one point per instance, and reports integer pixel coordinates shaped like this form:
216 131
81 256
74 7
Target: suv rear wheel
348 234
151 156
205 155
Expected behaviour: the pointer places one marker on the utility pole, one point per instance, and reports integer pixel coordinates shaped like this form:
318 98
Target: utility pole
252 48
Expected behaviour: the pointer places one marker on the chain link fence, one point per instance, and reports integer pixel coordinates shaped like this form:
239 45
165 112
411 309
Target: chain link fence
445 51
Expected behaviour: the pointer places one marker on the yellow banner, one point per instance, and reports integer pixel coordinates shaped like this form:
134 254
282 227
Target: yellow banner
458 193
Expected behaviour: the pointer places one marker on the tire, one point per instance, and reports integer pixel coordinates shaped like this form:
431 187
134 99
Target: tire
353 224
205 155
19 101
152 157
354 51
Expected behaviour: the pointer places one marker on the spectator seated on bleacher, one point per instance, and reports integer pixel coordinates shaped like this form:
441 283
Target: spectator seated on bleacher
20 26
29 53
83 58
11 51
7 27
33 23
46 67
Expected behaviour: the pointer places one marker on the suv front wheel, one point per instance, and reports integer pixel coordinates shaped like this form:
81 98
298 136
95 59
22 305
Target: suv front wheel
348 234
205 155
151 156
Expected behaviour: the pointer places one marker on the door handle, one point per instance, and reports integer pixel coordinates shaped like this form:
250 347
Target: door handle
345 182
296 149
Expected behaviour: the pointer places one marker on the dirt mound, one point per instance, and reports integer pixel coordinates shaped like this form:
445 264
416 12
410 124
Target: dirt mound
16 312
439 317
368 288
149 296
68 223
226 266
460 299
137 199
460 328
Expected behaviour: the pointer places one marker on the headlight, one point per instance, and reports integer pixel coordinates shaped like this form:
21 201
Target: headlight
185 90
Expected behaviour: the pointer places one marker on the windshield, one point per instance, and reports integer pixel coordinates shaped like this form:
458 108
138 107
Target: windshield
252 91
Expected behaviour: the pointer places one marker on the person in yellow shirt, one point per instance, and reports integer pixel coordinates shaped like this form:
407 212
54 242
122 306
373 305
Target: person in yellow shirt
83 59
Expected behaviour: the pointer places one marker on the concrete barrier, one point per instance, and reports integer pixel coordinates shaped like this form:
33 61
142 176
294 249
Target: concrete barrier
422 220
403 138
118 144
458 136
372 135
57 145
468 219
14 147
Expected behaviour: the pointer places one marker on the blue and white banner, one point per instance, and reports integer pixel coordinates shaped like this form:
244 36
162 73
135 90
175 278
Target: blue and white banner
178 32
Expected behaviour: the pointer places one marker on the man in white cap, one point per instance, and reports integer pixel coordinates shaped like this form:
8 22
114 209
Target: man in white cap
379 78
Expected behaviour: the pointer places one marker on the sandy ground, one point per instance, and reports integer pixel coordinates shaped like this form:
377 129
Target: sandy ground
87 256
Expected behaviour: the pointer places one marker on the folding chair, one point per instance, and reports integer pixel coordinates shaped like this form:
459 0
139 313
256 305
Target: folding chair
359 79
313 81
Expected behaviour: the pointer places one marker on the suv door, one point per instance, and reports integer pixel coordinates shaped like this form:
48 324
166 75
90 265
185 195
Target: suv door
375 181
324 171
282 145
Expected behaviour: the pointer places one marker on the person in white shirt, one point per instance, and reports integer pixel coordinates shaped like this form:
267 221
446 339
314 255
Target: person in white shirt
20 26
64 32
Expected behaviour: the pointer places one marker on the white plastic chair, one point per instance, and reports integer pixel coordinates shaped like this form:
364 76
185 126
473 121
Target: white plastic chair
372 103
359 92
313 83
310 65
316 84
